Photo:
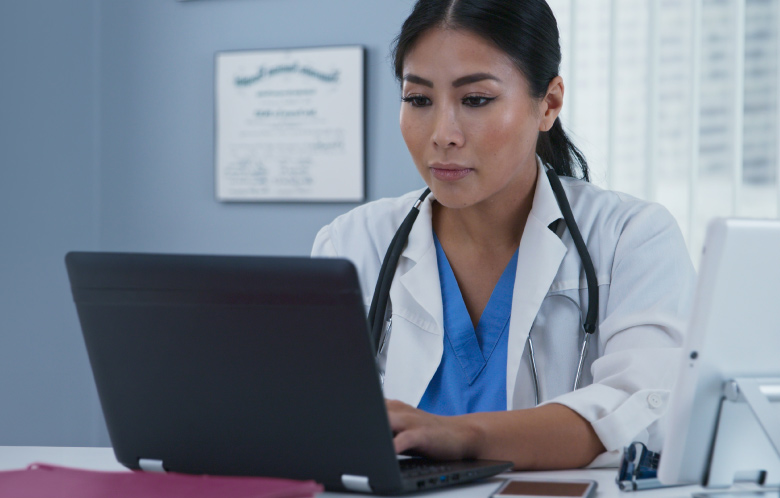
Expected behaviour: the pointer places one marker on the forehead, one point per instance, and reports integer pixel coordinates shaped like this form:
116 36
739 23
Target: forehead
451 53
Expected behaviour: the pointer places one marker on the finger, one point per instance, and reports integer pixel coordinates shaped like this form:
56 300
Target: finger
400 415
395 423
400 420
394 404
406 440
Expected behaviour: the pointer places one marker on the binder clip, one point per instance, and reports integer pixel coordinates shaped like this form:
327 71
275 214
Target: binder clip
638 468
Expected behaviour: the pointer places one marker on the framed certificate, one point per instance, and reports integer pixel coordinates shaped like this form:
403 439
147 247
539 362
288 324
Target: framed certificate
290 125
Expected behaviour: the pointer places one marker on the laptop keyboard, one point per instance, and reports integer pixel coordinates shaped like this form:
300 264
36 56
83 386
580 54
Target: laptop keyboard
418 467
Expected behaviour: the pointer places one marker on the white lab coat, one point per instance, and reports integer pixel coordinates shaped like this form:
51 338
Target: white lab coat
646 282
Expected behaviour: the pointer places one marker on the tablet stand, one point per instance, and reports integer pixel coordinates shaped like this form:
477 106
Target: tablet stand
746 446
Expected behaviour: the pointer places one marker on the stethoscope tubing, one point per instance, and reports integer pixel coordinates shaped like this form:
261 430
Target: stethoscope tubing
581 362
534 374
377 311
590 272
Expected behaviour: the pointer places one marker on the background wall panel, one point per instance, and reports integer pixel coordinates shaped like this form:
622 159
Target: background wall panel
48 206
157 119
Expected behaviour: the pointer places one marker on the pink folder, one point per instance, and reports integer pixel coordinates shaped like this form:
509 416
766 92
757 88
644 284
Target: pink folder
49 481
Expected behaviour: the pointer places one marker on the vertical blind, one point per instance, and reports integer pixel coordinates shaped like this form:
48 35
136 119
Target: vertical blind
676 101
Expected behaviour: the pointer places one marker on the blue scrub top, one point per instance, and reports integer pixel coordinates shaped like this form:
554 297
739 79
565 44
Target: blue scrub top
472 374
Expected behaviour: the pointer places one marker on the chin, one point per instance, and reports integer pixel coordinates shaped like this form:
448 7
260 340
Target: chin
452 198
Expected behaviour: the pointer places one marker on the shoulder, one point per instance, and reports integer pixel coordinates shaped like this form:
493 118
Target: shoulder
363 235
626 237
612 214
370 226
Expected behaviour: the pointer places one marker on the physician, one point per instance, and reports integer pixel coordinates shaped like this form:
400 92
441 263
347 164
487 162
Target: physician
482 343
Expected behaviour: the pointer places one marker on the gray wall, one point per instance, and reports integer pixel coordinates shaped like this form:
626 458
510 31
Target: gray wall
48 205
156 67
106 142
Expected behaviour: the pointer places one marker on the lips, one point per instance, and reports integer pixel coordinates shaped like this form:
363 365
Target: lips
449 172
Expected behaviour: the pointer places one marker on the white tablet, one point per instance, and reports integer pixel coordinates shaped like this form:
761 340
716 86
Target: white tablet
734 331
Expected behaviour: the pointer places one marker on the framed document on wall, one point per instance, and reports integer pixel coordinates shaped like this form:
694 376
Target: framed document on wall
290 125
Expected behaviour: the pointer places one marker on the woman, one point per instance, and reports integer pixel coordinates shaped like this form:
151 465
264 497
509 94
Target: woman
490 261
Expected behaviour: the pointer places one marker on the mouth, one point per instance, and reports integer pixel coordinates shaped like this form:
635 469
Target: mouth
449 172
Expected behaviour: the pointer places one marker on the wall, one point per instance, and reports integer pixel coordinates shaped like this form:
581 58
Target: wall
106 142
157 119
48 206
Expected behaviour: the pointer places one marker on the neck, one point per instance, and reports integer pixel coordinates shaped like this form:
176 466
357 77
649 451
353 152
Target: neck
496 223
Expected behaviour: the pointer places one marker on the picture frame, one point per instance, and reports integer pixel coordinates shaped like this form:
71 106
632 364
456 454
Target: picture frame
290 125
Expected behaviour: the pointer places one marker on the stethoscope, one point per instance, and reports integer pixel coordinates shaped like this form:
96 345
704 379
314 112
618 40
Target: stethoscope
380 328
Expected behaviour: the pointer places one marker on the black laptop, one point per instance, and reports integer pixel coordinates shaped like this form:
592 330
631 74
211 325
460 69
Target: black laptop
235 365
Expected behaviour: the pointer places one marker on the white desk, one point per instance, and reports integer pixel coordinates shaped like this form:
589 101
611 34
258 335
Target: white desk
18 457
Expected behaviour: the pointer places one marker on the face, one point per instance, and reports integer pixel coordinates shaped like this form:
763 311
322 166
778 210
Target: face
469 120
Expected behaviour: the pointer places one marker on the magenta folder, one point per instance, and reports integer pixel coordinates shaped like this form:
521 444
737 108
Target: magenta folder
50 481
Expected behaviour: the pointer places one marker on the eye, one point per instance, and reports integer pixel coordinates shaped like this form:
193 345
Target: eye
476 100
417 100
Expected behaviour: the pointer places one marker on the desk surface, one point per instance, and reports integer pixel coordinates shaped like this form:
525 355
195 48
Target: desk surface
16 457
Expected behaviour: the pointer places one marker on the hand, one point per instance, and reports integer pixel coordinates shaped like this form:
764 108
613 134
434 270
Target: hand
433 436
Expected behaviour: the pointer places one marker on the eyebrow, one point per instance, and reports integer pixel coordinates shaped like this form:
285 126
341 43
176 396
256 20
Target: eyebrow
413 78
463 80
473 78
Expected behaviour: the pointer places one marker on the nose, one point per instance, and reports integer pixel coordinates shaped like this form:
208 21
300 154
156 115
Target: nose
447 132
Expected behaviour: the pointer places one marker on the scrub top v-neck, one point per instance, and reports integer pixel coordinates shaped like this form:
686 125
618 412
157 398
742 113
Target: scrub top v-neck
472 374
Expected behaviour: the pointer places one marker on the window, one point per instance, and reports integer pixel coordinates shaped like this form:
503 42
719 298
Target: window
676 101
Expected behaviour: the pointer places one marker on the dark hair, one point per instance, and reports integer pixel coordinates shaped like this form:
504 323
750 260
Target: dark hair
527 32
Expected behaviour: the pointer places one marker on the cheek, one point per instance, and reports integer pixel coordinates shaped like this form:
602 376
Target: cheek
412 131
510 131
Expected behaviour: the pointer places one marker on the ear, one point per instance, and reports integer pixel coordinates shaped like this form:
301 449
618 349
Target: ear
551 103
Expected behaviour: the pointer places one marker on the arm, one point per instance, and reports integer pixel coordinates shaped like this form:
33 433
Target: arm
639 338
546 437
642 324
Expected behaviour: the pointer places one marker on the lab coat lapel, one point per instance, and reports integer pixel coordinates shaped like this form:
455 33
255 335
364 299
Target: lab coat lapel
416 341
540 255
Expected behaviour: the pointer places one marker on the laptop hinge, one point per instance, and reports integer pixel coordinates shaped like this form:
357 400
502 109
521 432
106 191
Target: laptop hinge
150 465
356 483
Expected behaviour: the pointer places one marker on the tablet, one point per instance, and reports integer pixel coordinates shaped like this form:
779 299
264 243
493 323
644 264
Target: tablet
734 331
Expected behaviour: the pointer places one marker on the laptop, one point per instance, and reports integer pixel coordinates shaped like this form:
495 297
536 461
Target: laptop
238 365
